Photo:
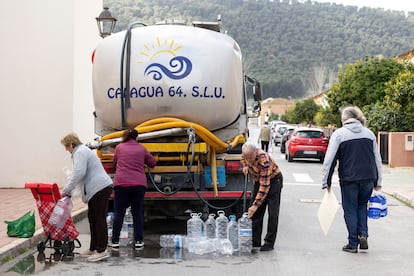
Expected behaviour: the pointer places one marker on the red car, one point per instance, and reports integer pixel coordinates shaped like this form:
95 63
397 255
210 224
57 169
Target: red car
307 142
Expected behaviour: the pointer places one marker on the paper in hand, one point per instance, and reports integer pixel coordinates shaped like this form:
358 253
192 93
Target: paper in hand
327 210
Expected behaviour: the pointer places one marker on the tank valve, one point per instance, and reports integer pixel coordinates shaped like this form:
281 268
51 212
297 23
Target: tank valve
191 134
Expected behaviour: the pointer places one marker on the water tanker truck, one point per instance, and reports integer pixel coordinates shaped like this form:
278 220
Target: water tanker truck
182 87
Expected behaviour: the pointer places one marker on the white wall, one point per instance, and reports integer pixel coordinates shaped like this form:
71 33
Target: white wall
45 85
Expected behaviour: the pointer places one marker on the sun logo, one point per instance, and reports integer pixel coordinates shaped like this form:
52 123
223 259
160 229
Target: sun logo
158 48
178 66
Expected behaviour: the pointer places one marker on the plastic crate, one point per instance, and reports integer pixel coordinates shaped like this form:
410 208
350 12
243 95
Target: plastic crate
221 177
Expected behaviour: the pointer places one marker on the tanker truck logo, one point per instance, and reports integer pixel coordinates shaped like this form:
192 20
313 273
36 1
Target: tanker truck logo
178 67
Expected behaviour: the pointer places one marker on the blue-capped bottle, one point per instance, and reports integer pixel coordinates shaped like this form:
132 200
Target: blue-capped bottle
245 234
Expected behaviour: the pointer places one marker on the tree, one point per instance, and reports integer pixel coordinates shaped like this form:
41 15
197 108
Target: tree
399 93
326 117
305 111
384 118
363 83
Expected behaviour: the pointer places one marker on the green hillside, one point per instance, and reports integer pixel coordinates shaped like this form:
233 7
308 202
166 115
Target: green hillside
287 43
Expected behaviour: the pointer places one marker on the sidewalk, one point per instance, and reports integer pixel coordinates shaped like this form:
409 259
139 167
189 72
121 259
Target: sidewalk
398 182
13 204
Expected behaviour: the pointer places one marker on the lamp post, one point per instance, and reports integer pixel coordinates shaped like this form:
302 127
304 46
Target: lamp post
106 23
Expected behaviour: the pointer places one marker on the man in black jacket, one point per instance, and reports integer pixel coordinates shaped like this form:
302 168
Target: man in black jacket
360 170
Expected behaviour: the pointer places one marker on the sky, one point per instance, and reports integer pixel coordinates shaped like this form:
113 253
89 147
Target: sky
398 5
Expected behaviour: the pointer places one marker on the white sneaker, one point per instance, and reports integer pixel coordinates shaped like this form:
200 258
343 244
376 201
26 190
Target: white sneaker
87 253
98 256
139 244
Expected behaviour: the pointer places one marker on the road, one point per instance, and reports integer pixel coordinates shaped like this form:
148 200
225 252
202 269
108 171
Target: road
301 247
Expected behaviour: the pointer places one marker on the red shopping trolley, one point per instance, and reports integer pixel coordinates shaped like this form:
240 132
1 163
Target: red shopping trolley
62 240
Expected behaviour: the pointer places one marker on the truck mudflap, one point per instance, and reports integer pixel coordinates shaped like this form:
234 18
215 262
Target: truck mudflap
191 195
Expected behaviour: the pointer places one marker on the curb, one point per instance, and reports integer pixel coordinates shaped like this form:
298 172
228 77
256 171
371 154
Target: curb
405 199
20 246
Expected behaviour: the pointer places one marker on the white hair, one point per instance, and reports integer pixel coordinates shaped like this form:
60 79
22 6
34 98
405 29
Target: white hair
249 147
352 112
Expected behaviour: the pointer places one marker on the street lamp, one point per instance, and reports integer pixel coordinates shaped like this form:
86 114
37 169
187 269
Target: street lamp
106 23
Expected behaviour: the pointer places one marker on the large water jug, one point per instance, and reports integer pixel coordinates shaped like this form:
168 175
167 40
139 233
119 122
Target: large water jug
195 226
233 230
210 227
221 225
61 212
245 234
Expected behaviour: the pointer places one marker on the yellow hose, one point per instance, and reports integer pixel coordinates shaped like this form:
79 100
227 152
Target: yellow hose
167 122
214 171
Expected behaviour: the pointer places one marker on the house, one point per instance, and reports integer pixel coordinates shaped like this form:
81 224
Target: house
277 106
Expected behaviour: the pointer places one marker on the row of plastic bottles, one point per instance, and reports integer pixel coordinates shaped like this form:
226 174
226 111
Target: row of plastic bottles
126 236
377 206
224 235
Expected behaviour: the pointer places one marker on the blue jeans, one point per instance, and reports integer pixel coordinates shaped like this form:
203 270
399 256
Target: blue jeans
355 196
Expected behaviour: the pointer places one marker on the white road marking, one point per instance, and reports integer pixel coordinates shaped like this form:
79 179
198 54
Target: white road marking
302 177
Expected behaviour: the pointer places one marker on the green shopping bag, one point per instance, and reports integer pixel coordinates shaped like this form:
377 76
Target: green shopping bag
23 227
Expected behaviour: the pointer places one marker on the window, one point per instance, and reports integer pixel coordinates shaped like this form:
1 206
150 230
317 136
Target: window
310 134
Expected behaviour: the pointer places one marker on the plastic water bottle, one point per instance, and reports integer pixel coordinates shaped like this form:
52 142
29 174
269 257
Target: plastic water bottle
170 253
203 245
195 226
130 225
233 230
221 225
225 247
210 227
61 212
172 241
245 234
374 207
109 223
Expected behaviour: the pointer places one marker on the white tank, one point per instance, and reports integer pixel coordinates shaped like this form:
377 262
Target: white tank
176 71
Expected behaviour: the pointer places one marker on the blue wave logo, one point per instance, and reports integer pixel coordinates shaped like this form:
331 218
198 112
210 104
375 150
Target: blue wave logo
179 68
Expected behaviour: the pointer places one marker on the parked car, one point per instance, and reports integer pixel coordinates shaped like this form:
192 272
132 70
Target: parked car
306 142
273 124
278 132
286 136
